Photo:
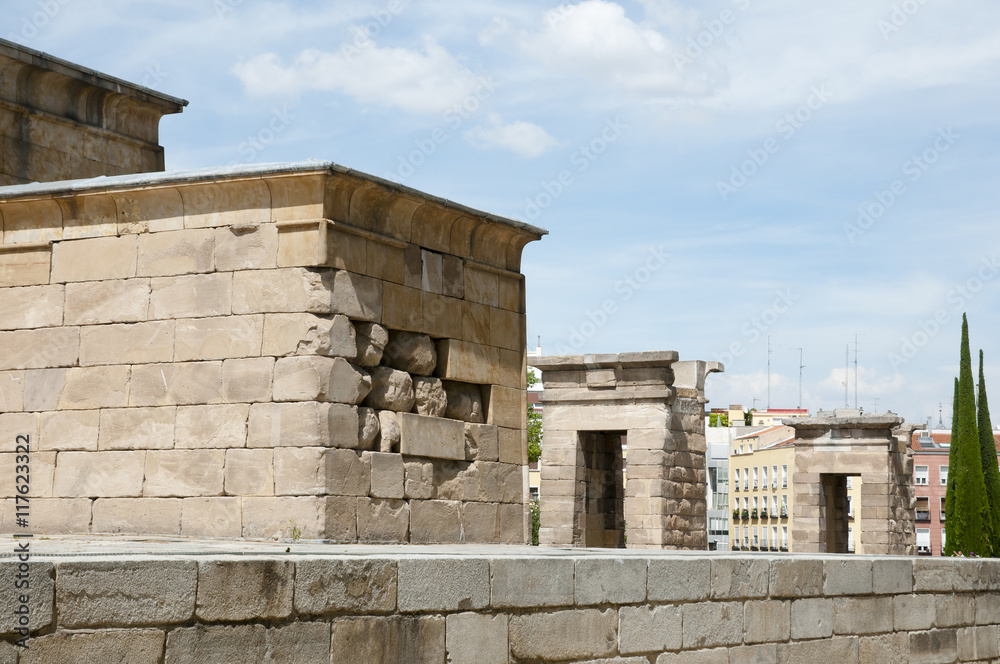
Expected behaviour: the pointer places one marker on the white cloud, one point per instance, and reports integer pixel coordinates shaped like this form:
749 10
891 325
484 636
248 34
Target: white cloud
429 80
522 138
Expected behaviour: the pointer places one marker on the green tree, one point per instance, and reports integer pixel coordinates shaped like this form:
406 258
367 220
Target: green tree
969 519
536 514
534 425
949 493
988 452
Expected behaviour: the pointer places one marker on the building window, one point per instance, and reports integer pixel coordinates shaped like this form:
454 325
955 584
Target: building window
755 542
736 534
942 541
718 527
774 506
850 482
746 503
943 513
774 537
924 541
784 476
784 504
943 474
923 508
850 539
737 471
746 479
746 538
754 506
763 538
755 484
920 475
774 477
850 507
784 537
763 476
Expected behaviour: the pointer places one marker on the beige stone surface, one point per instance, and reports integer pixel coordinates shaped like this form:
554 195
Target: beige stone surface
560 635
142 516
391 390
75 260
507 408
272 518
287 290
332 585
357 297
442 315
431 437
32 307
240 589
309 334
435 522
482 287
98 302
402 307
83 388
387 474
313 378
109 645
399 639
249 247
192 296
11 391
369 428
239 644
475 322
389 433
347 473
304 424
475 363
20 424
103 474
211 204
482 442
139 343
176 252
419 480
189 383
383 521
137 428
184 473
247 380
212 517
71 430
249 473
341 518
218 338
201 427
38 474
300 471
25 267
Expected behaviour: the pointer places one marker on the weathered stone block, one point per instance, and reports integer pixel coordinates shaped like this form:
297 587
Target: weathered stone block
368 428
176 252
347 474
394 640
303 424
480 522
419 482
383 521
40 349
913 612
796 578
514 527
371 340
299 642
387 474
430 584
137 428
140 343
812 618
675 580
435 521
313 378
482 442
530 582
137 646
402 307
84 388
184 473
847 577
431 399
104 474
933 647
277 517
74 260
501 482
11 391
767 620
218 338
201 427
137 516
240 589
357 585
35 306
649 629
184 384
357 297
119 301
713 656
72 430
41 594
288 290
52 516
610 581
482 287
465 402
409 352
573 634
29 266
442 315
193 296
250 247
885 649
309 334
211 517
390 390
247 380
108 594
892 576
474 638
340 515
431 437
862 615
708 624
240 644
513 445
249 473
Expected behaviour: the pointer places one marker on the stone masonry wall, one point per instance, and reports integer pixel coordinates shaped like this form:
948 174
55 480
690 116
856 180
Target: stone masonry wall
260 355
426 607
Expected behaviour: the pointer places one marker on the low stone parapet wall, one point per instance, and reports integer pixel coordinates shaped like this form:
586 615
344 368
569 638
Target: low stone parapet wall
306 603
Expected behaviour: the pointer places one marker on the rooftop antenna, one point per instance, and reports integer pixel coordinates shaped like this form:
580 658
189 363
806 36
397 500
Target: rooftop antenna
801 367
940 416
769 351
755 400
876 404
847 363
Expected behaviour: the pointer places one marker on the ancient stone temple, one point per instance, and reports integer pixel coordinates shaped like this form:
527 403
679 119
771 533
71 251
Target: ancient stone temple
833 446
596 407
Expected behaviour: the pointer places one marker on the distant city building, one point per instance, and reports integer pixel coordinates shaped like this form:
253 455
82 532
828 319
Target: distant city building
771 416
930 478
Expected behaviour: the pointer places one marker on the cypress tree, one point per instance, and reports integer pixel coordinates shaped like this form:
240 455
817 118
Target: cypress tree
969 519
988 451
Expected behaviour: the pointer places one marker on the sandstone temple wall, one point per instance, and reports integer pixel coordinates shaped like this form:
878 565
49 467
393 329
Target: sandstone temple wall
395 606
61 121
267 352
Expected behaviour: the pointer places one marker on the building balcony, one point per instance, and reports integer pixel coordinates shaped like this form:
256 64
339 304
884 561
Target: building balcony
923 550
763 513
923 515
746 515
753 514
784 512
784 548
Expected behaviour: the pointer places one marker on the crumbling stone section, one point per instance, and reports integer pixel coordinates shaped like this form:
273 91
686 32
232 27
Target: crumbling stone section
595 404
61 121
263 352
389 605
833 446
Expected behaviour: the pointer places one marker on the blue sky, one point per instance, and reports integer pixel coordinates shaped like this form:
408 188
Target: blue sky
711 172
